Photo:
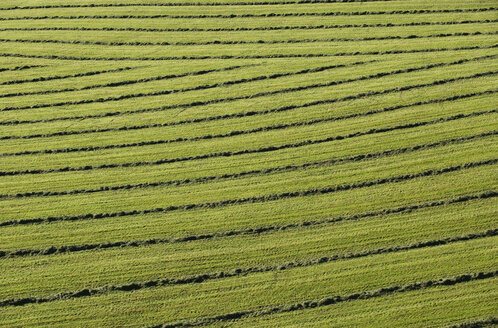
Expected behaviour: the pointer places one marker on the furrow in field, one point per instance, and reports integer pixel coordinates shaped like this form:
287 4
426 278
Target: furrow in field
255 199
242 271
284 308
320 55
231 133
266 15
202 87
228 29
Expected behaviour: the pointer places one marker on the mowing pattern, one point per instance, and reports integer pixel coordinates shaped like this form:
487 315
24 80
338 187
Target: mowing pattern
301 163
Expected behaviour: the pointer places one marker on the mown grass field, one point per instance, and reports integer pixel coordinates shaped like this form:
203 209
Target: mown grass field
236 163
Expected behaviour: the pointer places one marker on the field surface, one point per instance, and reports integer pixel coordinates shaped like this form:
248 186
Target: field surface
248 163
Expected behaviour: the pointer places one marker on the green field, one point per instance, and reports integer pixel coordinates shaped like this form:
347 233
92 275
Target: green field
248 163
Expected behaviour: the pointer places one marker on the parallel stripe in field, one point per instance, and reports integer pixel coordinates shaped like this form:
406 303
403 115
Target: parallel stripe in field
264 171
190 4
405 209
274 56
120 83
310 304
235 132
221 117
255 199
215 85
232 133
20 68
28 49
199 278
62 77
222 42
248 80
232 29
251 151
266 15
479 323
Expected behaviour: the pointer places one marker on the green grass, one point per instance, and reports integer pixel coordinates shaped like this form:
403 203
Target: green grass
268 289
440 306
139 188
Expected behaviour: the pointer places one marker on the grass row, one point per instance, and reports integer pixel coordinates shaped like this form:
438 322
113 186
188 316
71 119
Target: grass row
248 170
467 305
236 145
151 306
324 49
264 36
202 198
245 14
315 74
253 9
220 101
63 272
244 216
236 164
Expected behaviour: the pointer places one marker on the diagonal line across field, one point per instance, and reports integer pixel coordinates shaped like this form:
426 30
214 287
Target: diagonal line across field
226 57
220 117
68 76
310 304
263 94
266 15
237 271
157 78
259 42
270 170
261 78
20 68
228 134
254 150
251 200
489 322
247 163
202 87
250 231
188 4
234 29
